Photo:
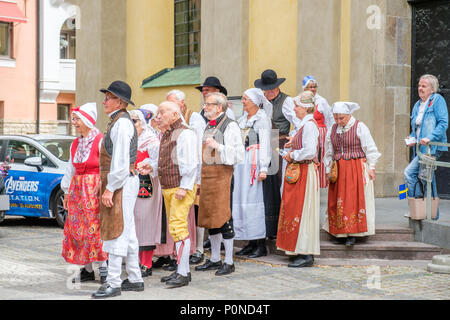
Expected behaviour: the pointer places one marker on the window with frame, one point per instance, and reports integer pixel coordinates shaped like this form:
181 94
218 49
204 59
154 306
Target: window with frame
68 40
18 151
63 118
5 39
187 32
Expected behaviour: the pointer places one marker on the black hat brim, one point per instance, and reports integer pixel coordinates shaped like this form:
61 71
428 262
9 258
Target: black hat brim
118 95
222 89
259 84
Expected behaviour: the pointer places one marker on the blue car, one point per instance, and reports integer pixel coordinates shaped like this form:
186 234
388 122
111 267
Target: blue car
37 165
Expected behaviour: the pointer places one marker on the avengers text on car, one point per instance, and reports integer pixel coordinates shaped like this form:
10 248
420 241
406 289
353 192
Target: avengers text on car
37 164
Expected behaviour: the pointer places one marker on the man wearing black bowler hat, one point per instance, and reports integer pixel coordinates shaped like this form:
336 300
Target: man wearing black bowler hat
119 189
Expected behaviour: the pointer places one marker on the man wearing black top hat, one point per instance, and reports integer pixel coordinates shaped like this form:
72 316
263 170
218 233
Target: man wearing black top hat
119 189
212 84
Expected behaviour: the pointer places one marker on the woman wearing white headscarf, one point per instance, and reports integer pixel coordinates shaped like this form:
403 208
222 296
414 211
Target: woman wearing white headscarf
82 243
351 203
248 199
299 224
324 119
148 208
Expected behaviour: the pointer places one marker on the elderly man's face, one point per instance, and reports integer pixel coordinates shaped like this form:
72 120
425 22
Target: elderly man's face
206 90
425 89
111 103
272 93
341 119
212 108
165 117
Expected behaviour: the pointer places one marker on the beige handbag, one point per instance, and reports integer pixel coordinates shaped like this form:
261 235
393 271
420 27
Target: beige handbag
418 207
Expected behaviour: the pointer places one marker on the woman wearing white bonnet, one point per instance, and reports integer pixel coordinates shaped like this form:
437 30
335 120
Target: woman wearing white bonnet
81 246
251 212
324 118
299 224
351 202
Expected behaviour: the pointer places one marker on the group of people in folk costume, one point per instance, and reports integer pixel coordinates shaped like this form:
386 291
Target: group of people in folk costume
161 175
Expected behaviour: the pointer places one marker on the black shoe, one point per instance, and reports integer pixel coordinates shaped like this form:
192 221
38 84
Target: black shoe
209 265
106 291
196 258
225 269
145 271
84 276
337 240
173 276
130 286
172 266
102 279
293 258
350 241
178 281
162 261
248 249
302 261
260 250
207 244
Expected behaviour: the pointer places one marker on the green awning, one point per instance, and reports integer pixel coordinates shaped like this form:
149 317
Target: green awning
182 76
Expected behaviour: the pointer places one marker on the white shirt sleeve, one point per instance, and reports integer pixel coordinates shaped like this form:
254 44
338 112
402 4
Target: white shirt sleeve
153 153
187 156
121 135
263 129
368 145
233 151
198 124
289 113
69 172
309 140
329 152
325 109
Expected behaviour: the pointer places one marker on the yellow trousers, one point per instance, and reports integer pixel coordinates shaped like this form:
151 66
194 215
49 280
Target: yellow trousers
178 211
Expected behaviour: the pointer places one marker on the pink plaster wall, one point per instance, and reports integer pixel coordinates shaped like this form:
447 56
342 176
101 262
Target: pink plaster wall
18 85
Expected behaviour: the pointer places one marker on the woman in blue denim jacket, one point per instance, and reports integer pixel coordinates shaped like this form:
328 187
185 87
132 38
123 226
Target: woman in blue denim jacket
429 122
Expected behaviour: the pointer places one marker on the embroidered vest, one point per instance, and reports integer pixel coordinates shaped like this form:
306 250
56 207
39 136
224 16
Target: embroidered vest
297 142
217 132
346 145
168 171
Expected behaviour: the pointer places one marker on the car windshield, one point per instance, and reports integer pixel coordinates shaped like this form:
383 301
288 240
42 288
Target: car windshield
58 147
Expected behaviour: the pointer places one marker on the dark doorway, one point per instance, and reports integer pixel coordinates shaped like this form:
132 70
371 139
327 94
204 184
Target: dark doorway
431 55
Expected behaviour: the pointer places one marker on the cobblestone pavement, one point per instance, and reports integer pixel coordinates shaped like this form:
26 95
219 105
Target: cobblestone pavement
31 267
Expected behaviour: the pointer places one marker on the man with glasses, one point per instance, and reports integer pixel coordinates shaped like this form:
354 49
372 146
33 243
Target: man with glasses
119 190
222 149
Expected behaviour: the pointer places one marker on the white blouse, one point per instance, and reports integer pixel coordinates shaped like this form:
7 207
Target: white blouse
188 158
367 144
262 125
310 140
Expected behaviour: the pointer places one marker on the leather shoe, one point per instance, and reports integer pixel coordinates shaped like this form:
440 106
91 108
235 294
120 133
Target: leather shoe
350 241
207 244
146 271
225 269
106 291
172 266
130 286
302 261
85 276
162 261
178 281
196 258
173 275
248 249
209 265
260 251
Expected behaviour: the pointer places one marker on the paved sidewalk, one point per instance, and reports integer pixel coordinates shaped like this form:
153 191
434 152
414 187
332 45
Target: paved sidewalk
31 267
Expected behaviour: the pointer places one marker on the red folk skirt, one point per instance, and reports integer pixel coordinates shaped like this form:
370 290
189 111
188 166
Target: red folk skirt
346 200
291 211
323 176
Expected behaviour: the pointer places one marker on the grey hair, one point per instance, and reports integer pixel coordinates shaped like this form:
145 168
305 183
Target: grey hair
179 95
174 108
219 98
432 80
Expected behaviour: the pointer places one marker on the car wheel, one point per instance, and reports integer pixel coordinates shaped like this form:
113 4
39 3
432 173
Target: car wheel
2 216
58 208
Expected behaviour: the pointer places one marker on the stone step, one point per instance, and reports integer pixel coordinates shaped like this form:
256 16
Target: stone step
396 250
381 234
440 264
